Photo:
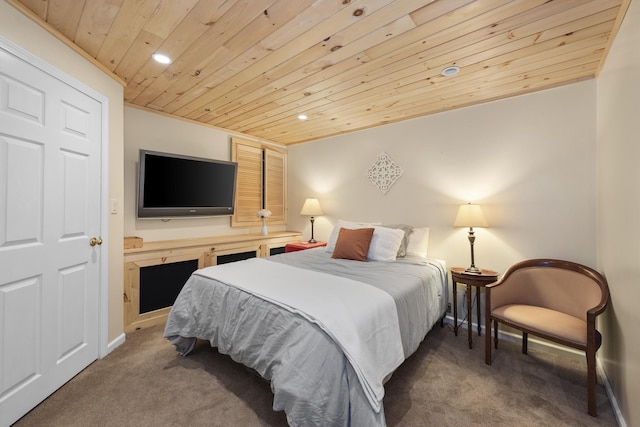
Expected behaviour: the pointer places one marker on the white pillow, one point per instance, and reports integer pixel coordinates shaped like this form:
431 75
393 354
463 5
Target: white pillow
331 243
418 242
385 244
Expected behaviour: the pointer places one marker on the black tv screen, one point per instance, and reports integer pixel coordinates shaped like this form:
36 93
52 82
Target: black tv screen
172 185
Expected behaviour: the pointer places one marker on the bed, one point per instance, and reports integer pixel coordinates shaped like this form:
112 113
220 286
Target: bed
327 332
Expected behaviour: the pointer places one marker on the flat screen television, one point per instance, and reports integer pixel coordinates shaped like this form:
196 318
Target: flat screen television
172 185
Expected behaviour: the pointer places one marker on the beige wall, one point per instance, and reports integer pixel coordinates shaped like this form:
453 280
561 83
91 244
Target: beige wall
618 212
17 28
529 161
150 131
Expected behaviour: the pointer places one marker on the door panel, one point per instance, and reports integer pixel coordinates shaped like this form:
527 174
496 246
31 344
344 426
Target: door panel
22 185
50 195
20 328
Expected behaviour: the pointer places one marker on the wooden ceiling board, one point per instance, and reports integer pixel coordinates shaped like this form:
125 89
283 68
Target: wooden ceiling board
323 69
215 69
124 31
325 83
288 54
469 86
95 22
207 54
38 7
293 77
251 66
394 67
483 60
64 15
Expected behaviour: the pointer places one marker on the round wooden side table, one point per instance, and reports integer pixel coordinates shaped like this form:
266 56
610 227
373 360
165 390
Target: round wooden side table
479 280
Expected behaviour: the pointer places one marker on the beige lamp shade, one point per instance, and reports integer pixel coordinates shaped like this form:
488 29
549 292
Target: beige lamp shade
311 207
470 216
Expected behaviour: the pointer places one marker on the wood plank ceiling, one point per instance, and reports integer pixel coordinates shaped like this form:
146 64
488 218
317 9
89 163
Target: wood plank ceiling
252 66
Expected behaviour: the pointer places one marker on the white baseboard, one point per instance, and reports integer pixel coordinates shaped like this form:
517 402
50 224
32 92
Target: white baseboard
547 345
116 343
612 397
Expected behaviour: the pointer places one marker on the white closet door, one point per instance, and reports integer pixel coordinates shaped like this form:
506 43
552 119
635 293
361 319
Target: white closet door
50 195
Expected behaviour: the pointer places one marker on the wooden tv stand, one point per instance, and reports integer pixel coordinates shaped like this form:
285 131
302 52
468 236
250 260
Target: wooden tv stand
206 251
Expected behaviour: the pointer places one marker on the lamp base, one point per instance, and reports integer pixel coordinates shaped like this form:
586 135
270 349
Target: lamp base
473 270
312 240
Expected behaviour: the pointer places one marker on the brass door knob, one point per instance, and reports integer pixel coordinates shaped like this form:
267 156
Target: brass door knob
95 241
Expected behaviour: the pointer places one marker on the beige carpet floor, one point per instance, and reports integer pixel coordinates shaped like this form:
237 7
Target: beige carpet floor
145 382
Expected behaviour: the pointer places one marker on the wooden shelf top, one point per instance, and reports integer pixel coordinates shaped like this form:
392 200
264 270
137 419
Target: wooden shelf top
211 240
483 272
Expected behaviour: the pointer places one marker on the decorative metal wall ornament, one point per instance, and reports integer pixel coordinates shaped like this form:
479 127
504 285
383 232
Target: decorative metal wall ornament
384 172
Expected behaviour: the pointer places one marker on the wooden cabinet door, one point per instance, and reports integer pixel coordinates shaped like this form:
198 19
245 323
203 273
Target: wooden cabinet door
261 183
275 167
248 184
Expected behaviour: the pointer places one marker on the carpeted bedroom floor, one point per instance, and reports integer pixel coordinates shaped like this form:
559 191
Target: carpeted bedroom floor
145 382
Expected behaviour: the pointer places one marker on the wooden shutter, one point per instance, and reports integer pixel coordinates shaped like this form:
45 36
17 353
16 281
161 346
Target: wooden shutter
275 185
249 182
261 183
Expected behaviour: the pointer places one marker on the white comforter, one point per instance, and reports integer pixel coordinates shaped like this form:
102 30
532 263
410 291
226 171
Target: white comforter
312 378
362 319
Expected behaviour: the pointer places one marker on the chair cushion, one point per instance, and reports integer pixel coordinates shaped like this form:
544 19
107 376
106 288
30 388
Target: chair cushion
550 323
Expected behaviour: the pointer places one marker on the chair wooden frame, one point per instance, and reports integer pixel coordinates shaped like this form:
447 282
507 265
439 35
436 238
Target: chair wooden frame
594 338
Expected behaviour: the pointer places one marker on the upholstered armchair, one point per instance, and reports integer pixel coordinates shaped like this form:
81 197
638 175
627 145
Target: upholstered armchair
555 300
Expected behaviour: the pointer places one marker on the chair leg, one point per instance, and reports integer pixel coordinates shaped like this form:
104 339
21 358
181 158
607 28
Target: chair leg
591 382
495 333
525 339
487 343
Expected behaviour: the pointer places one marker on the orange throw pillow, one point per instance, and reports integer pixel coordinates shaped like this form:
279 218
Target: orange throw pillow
353 244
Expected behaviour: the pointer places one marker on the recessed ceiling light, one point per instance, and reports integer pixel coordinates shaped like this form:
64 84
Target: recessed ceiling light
302 116
450 71
163 59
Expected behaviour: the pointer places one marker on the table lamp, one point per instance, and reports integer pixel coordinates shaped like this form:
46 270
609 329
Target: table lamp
312 208
470 216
